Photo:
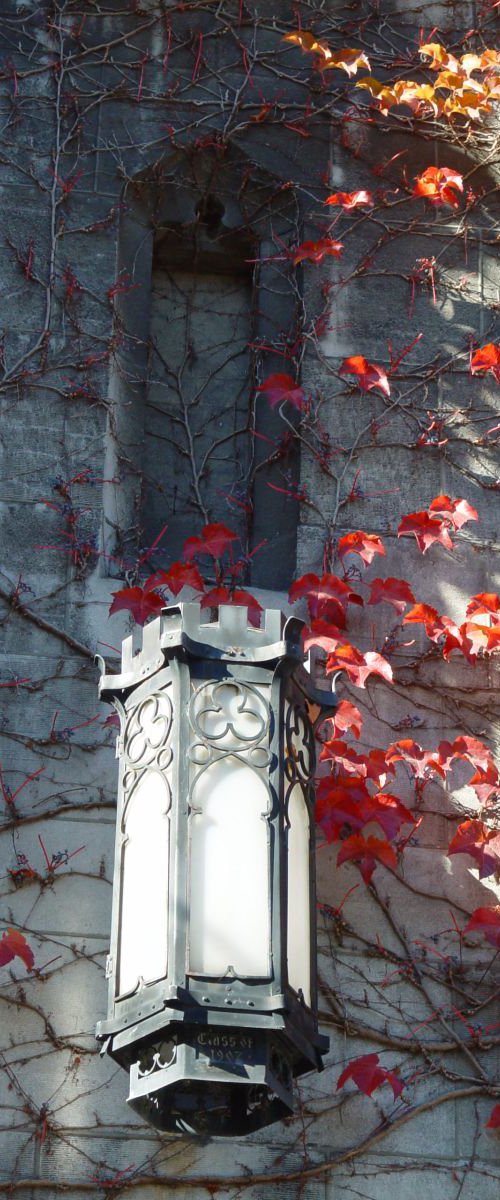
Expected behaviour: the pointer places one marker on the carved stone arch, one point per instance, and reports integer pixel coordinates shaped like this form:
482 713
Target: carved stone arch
212 215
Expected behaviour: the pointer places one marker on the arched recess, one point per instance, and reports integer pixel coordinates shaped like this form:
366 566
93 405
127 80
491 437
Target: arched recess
211 306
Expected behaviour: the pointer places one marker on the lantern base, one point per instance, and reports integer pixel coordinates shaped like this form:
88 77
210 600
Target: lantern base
214 1081
209 1109
211 1073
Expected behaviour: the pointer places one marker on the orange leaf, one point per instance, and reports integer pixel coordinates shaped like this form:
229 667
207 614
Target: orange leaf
350 200
426 615
368 375
420 97
479 637
486 359
439 185
317 251
348 60
439 56
484 602
308 42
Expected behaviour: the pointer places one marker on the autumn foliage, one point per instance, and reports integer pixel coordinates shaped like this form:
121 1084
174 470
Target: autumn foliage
372 801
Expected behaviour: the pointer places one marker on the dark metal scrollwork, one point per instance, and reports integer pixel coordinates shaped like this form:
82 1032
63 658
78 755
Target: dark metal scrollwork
299 762
156 1058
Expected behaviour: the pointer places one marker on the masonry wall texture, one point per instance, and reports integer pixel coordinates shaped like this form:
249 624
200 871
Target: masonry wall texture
118 121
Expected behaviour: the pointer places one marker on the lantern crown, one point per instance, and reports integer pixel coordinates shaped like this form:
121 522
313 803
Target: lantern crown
185 626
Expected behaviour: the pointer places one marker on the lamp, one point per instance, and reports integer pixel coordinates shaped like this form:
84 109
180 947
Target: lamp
212 971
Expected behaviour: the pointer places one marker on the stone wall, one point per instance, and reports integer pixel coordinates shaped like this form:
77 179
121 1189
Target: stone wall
105 109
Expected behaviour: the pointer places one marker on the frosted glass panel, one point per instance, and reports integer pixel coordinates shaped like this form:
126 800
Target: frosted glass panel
229 872
299 921
145 867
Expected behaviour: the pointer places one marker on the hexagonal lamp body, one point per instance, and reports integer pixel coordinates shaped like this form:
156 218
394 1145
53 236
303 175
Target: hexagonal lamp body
212 969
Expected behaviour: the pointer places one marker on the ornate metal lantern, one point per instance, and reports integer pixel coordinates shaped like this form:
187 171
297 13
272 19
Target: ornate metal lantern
212 1000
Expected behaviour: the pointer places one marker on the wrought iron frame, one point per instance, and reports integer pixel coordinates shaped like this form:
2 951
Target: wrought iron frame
179 648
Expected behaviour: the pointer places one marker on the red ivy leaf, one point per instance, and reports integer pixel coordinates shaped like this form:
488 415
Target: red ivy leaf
366 1073
13 944
486 783
367 545
487 922
457 512
393 591
438 627
366 853
426 529
139 601
324 634
327 597
358 666
111 722
315 252
418 760
483 844
214 540
494 1121
426 615
350 200
347 717
223 595
179 575
390 814
470 748
338 802
439 185
348 802
367 766
486 359
368 375
279 387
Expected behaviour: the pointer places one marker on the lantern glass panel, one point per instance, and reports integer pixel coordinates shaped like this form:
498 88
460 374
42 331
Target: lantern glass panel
229 888
298 917
145 870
